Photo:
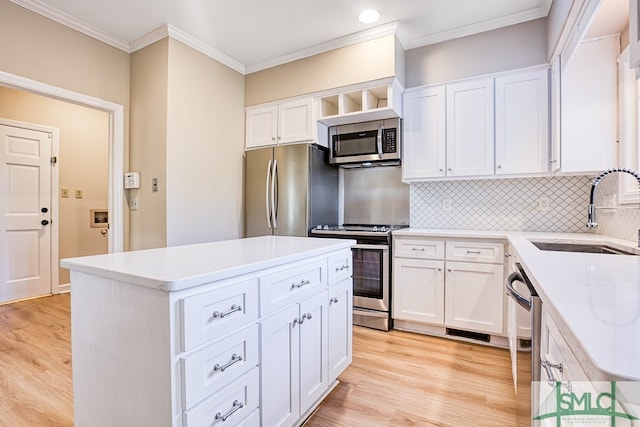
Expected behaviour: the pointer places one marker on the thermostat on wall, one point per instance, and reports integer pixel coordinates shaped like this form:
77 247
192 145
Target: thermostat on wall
131 180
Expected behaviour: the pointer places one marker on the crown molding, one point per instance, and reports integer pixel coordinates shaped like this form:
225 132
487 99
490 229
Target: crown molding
73 23
504 21
175 33
362 36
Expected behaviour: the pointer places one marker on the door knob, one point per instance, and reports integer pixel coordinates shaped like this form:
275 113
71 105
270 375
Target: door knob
44 210
44 222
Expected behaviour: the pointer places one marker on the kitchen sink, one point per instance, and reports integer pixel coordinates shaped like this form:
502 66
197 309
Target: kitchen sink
581 247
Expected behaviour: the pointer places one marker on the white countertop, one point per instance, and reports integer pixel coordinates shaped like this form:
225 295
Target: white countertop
593 298
181 267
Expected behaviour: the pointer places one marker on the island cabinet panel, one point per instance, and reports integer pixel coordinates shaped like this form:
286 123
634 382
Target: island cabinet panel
233 345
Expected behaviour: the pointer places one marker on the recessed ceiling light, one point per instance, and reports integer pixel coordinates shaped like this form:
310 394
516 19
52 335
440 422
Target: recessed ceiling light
369 16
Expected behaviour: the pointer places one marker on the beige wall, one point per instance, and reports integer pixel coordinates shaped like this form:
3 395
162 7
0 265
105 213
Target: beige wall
507 48
370 60
40 49
149 75
82 164
205 146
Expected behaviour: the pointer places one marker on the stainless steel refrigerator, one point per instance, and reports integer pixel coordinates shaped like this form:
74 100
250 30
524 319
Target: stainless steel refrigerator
288 190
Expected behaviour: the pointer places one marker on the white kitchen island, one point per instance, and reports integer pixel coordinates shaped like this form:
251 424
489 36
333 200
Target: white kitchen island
243 332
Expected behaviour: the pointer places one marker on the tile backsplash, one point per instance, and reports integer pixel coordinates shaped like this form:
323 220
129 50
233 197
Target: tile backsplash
512 204
502 204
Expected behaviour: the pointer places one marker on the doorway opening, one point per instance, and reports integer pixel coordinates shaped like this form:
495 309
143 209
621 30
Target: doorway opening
115 204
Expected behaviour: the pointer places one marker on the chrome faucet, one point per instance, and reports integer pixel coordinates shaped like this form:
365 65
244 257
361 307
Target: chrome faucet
591 223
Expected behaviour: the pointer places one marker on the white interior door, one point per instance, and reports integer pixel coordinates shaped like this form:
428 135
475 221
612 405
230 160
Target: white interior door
25 213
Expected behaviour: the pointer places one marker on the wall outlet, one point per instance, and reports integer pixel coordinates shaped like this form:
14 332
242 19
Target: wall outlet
446 205
133 203
544 204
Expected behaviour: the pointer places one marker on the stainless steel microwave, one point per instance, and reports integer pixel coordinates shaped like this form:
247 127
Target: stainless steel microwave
369 143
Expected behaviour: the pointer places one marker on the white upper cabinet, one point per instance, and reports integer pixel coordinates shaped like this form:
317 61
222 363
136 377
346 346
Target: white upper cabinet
589 106
470 129
522 117
424 153
284 123
491 126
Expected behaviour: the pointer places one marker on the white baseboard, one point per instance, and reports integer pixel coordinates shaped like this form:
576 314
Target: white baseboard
64 289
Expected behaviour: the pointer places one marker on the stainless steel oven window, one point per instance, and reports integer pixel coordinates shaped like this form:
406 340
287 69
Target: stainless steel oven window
371 276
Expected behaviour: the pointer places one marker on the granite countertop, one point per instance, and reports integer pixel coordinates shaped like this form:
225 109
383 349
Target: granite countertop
181 267
593 298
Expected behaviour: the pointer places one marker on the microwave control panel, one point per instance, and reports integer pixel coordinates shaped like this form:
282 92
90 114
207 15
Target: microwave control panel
389 141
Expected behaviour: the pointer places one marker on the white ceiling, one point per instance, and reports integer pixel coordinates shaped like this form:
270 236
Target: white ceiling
256 34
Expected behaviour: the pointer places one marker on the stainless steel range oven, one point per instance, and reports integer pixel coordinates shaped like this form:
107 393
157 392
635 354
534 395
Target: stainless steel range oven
371 271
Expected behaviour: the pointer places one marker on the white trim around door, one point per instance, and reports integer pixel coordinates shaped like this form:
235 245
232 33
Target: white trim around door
116 145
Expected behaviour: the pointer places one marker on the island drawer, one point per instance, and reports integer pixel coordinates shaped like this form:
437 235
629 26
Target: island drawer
212 314
340 267
229 407
208 370
289 285
421 249
490 252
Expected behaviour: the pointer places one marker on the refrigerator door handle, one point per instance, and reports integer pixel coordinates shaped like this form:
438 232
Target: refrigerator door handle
274 194
266 195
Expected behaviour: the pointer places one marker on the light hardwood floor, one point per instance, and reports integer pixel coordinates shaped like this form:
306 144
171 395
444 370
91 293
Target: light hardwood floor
396 378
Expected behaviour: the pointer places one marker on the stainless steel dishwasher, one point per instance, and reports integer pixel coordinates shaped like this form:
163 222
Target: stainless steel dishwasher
525 357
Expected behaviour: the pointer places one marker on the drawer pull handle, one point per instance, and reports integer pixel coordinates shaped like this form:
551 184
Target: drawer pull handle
333 300
235 358
236 406
417 249
474 252
343 267
551 379
299 285
233 309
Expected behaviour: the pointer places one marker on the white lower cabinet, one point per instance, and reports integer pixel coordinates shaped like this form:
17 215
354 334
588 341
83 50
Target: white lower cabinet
340 329
474 297
294 354
459 285
418 293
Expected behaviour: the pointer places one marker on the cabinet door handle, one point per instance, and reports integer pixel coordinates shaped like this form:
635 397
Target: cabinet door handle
299 285
474 252
450 270
417 249
306 316
333 300
233 309
235 358
342 268
237 405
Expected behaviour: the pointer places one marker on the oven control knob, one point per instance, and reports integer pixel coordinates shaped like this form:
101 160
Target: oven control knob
326 227
375 228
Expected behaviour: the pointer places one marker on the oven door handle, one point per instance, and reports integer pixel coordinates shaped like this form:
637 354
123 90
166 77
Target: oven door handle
376 247
511 291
